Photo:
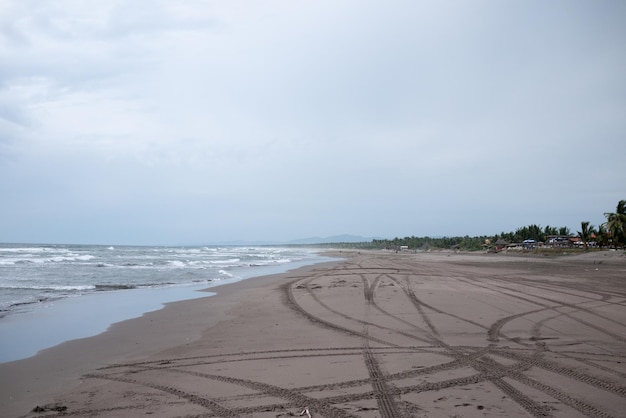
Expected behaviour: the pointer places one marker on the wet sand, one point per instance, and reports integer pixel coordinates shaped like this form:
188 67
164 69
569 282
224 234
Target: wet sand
377 335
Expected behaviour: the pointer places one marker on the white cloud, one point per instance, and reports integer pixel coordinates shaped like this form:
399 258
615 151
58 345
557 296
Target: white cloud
281 119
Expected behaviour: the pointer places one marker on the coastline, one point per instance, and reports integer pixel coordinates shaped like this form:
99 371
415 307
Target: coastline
375 334
25 334
52 371
56 321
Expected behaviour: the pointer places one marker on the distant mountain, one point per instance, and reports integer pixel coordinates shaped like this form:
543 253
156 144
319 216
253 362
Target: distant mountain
302 241
326 240
242 243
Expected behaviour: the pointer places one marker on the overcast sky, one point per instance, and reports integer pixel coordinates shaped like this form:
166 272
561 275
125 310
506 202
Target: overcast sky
190 122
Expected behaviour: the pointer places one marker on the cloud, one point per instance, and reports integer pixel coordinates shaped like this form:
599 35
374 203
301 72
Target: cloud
284 119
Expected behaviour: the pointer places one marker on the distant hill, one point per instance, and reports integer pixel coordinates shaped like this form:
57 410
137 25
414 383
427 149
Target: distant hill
302 241
326 240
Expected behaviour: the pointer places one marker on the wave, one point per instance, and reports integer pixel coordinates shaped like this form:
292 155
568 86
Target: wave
31 273
282 261
126 286
230 261
33 250
26 304
49 287
44 260
41 299
102 287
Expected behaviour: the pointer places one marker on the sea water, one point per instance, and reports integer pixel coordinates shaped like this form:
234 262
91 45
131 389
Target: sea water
54 293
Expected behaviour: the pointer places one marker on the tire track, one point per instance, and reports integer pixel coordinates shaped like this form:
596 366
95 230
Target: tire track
595 365
375 305
477 363
535 331
459 361
488 366
223 358
198 400
85 412
293 304
524 401
494 330
603 296
553 367
574 403
419 306
481 366
294 398
386 404
493 333
368 291
370 299
418 302
576 306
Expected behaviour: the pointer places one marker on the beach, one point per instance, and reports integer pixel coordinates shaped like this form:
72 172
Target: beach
377 334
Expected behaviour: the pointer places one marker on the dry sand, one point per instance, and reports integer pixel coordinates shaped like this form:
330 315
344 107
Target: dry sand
377 335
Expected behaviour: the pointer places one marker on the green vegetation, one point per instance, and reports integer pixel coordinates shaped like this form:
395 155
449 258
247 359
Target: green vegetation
616 225
533 232
610 234
586 233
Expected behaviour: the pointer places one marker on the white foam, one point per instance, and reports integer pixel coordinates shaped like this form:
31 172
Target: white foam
84 257
34 250
48 271
231 261
50 287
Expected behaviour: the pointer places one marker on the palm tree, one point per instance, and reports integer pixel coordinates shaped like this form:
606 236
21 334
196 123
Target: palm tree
602 237
616 223
585 232
564 231
550 230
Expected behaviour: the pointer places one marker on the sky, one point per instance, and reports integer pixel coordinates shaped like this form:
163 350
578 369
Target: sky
193 122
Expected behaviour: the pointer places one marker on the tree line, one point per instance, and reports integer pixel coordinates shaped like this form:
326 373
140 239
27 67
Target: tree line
611 233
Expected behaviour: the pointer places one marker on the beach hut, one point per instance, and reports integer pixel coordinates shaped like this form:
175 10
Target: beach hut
500 244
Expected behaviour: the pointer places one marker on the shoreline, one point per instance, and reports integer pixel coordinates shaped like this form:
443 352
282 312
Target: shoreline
53 370
57 321
260 331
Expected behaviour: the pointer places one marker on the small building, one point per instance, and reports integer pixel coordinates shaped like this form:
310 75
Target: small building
559 241
528 244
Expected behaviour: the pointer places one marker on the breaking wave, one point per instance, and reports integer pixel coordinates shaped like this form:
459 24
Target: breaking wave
30 274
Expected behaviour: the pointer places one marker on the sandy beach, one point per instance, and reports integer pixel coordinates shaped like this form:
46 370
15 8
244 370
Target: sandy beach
379 334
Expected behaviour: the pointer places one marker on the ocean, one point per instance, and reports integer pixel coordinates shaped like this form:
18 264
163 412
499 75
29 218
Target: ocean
62 292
